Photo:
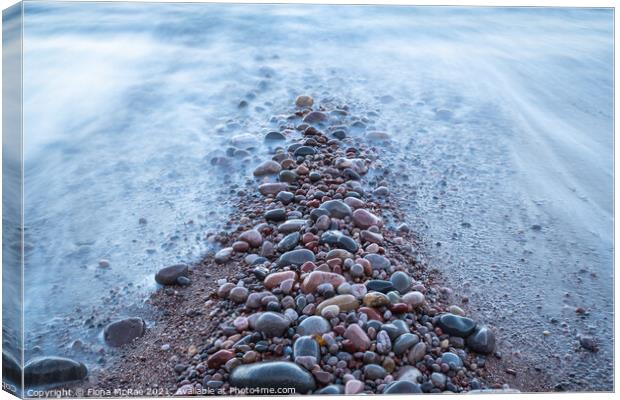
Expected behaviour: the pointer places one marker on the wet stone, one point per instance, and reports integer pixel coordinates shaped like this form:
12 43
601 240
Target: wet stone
287 176
364 219
285 197
53 370
452 360
414 299
358 337
377 261
276 215
306 346
331 390
304 151
315 117
379 286
345 302
336 209
268 167
374 372
304 101
291 225
275 374
124 331
401 281
376 299
339 240
273 135
272 188
482 340
396 328
314 325
296 257
404 342
272 324
169 275
455 325
402 387
289 242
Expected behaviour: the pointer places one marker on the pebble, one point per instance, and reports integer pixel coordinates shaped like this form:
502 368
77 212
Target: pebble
275 279
402 387
223 255
304 101
285 197
364 219
340 240
378 262
336 209
276 215
315 117
272 324
401 281
345 302
292 225
330 312
289 242
306 346
358 337
272 188
295 257
413 299
268 167
456 325
482 340
314 325
273 135
274 374
404 342
124 331
418 352
316 278
379 286
374 372
52 370
376 299
169 275
238 294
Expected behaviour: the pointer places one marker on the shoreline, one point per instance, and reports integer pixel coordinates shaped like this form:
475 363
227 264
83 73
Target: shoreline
180 353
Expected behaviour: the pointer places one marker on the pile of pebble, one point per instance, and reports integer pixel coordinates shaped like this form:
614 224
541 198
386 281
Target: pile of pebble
333 301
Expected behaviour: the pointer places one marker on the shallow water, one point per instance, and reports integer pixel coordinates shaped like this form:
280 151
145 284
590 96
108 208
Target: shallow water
501 120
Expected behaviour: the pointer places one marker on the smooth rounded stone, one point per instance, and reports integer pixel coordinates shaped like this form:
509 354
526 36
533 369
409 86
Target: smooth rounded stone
381 191
438 379
482 340
124 331
276 215
273 135
401 281
394 297
322 223
315 117
219 358
371 237
304 101
252 237
418 352
241 323
358 290
53 370
272 374
316 278
268 167
378 285
304 151
338 253
314 325
408 373
272 324
358 337
287 176
225 289
337 238
272 188
364 219
376 299
374 372
354 386
357 271
285 197
306 346
455 325
404 342
223 255
330 312
384 344
11 368
396 328
288 242
292 225
275 279
414 299
452 360
345 302
238 294
402 387
331 390
169 275
336 209
295 257
456 310
377 261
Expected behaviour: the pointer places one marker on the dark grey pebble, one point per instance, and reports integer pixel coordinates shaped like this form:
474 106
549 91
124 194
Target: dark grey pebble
277 374
456 325
169 275
53 370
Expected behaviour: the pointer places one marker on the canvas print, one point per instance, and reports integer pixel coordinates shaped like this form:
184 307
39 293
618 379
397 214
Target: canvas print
297 199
